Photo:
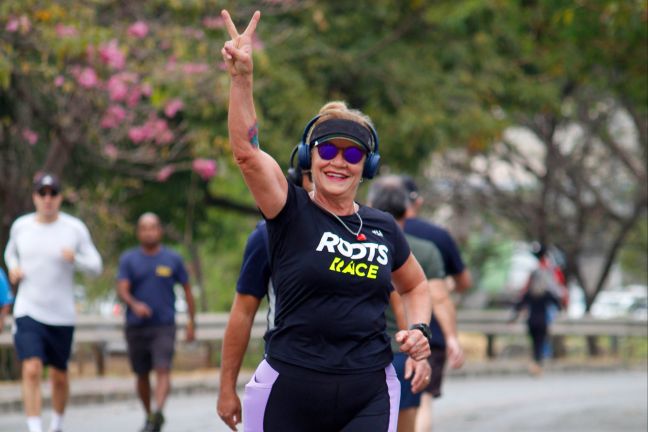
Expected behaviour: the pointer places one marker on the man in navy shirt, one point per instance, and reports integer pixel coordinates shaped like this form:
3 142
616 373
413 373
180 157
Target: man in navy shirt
254 283
460 275
147 276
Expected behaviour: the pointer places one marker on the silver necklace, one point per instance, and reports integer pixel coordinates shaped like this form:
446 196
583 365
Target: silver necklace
358 235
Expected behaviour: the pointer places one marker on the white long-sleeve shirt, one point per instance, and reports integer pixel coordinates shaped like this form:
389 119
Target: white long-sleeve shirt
46 292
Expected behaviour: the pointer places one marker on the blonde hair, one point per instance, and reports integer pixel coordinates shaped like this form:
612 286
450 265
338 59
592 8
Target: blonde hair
340 110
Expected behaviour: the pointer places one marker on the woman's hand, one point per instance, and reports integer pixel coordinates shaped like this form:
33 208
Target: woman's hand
414 344
237 52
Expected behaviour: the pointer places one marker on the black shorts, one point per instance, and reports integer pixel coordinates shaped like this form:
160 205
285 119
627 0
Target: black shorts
287 398
150 347
437 363
52 344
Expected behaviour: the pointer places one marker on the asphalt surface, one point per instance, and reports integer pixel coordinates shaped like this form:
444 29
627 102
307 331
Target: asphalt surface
557 402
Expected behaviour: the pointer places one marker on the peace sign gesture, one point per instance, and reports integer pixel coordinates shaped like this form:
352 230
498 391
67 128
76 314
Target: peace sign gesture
237 52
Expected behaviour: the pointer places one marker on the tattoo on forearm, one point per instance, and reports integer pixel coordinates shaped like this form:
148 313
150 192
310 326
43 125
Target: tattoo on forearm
253 135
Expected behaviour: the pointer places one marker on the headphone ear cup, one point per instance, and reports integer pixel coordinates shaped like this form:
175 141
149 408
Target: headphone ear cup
294 176
304 156
371 166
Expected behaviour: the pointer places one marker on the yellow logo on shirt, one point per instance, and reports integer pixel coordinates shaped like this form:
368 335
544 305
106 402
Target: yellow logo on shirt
163 271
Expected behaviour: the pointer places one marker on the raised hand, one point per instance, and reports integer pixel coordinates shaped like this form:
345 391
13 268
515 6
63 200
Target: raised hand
237 52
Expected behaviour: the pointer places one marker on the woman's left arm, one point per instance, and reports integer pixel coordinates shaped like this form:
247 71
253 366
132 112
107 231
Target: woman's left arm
410 282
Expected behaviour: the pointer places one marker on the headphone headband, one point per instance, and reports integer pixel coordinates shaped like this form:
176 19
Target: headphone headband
372 162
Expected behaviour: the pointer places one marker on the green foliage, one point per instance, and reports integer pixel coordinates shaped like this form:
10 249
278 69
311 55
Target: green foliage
432 75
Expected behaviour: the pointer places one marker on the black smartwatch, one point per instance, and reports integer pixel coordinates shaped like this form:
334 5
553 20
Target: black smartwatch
423 328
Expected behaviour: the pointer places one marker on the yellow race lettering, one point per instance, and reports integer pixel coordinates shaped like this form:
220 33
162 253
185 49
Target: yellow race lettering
360 269
350 268
332 268
373 271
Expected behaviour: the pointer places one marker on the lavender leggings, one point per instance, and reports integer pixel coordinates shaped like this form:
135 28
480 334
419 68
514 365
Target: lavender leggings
287 398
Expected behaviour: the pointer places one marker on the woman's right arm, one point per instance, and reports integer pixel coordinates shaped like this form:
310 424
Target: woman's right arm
261 172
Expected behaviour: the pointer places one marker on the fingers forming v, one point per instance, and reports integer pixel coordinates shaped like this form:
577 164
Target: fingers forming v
229 24
231 28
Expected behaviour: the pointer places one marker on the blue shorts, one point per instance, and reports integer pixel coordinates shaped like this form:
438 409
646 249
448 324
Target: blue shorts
52 344
407 398
288 398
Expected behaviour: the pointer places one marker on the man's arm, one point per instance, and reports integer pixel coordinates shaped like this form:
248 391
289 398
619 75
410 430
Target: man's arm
86 258
446 315
235 342
139 308
462 281
191 309
12 259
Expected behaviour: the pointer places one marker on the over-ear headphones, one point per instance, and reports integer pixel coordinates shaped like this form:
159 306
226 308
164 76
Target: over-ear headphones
294 175
372 161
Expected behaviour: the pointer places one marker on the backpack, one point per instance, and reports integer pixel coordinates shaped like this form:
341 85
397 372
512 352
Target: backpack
541 281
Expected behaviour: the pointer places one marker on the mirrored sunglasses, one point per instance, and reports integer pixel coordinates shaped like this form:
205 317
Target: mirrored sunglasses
328 151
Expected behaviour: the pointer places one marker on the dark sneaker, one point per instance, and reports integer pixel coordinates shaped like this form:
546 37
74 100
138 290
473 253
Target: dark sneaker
157 421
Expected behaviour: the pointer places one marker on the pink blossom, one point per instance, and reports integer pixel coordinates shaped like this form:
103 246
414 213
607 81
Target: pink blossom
87 78
172 107
154 129
222 66
111 55
257 43
205 168
12 25
160 131
66 31
118 84
113 117
111 151
138 29
195 68
139 134
165 173
59 81
194 33
117 89
30 136
213 22
165 137
21 24
171 64
147 90
134 96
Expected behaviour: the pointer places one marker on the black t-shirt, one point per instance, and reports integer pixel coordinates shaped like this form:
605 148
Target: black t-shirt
331 289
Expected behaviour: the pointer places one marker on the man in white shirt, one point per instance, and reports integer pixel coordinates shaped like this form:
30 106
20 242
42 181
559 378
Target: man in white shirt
44 250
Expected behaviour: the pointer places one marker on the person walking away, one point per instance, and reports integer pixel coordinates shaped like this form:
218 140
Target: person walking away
328 360
388 194
540 293
461 280
45 248
145 282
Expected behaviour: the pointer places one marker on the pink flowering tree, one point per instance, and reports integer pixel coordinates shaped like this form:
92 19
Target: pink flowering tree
121 103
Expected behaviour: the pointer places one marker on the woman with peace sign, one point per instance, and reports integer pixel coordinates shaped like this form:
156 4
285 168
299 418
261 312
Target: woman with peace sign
328 358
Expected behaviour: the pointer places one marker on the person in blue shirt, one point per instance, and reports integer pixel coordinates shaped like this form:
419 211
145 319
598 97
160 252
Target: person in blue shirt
6 298
253 285
458 274
145 282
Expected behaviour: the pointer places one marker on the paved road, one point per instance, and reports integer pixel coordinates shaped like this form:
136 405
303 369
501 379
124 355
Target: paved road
557 402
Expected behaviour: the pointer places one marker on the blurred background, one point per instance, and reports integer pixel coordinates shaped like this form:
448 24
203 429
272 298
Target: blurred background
520 120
